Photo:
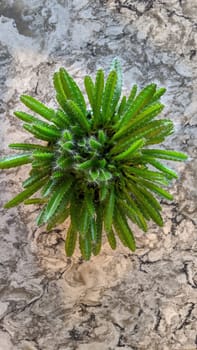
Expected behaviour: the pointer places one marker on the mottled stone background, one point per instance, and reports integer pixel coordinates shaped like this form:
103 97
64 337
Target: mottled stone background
141 301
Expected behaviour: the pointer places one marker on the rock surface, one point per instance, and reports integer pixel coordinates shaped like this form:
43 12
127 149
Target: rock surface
141 301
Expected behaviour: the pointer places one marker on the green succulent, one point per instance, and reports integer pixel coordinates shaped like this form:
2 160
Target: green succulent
96 165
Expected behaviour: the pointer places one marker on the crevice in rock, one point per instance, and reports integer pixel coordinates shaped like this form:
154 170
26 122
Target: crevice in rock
187 320
196 341
75 334
188 274
158 320
171 12
118 326
91 305
148 6
121 341
35 342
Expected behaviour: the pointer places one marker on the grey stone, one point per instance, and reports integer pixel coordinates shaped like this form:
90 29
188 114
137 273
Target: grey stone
145 300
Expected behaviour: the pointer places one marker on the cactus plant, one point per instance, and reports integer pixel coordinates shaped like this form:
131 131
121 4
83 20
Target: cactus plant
95 164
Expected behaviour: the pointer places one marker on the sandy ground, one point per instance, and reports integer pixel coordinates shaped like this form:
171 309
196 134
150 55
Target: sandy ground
141 301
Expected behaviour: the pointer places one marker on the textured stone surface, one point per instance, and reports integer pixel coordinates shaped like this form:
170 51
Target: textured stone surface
142 301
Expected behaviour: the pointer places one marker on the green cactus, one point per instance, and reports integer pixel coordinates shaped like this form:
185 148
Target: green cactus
94 163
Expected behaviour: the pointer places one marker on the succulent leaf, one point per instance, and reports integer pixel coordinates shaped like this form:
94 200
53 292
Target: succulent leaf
71 89
98 96
59 194
109 211
90 90
116 66
14 161
37 107
25 194
138 104
108 105
70 242
111 239
29 146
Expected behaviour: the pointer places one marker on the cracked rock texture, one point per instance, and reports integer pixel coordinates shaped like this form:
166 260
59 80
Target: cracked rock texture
141 301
